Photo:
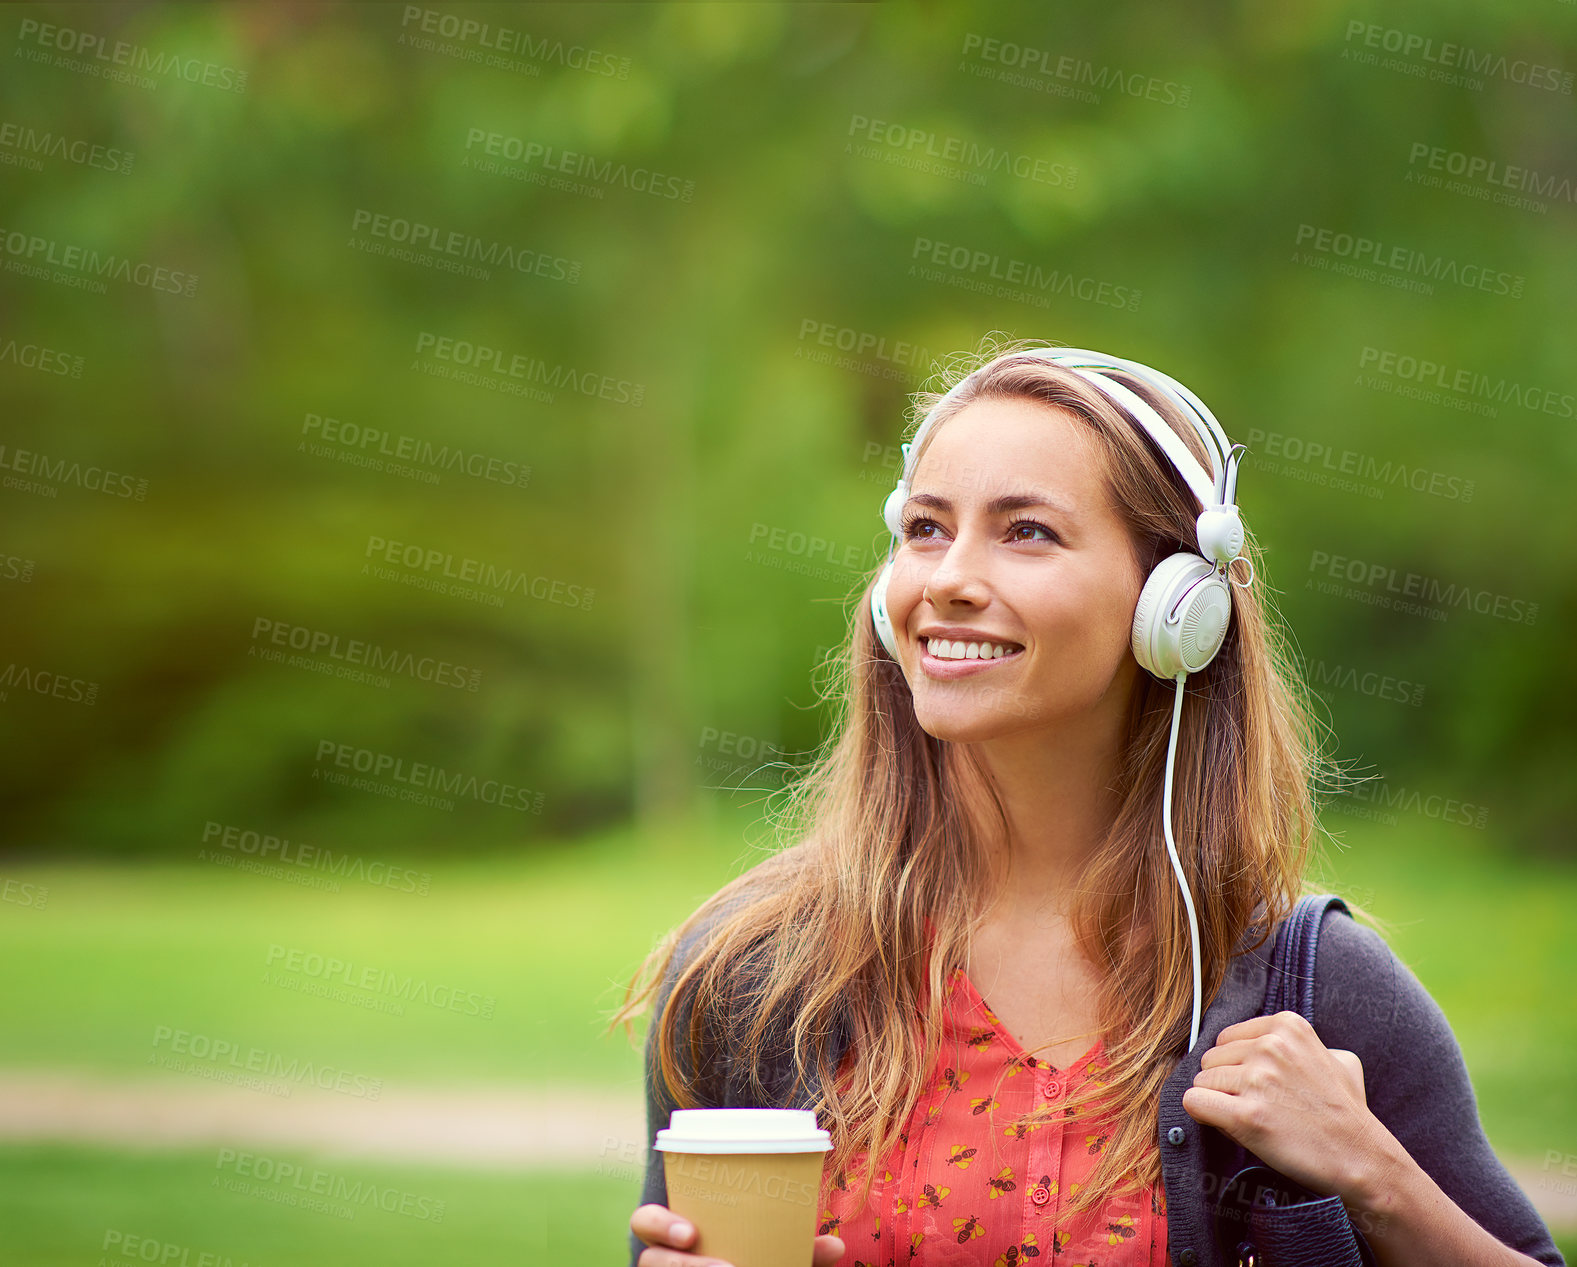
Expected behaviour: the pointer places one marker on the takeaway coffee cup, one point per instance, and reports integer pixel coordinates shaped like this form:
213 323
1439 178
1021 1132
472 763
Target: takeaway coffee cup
749 1179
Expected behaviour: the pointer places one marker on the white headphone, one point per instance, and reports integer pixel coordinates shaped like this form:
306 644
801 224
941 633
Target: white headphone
1185 605
1180 622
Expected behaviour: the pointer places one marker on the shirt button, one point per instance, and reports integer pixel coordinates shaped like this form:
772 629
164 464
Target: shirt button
1188 1258
1175 1135
1053 1088
1040 1194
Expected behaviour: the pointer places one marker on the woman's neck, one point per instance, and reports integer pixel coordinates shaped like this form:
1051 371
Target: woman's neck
1060 802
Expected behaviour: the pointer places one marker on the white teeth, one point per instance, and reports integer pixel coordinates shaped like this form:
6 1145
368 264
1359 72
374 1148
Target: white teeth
942 649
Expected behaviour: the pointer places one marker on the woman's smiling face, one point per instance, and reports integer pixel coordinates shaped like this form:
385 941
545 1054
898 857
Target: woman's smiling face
1010 536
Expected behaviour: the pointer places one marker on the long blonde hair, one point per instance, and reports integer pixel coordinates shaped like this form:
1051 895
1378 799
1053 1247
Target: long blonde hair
891 826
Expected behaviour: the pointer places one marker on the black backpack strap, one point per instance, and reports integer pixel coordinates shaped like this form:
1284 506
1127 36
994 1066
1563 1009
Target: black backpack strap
1290 982
1290 987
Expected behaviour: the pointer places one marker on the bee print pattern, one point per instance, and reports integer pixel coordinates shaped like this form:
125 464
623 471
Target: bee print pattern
1119 1232
1020 1129
976 1177
1015 1255
968 1229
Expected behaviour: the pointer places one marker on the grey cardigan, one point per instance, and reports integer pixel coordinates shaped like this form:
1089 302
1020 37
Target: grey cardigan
1366 1000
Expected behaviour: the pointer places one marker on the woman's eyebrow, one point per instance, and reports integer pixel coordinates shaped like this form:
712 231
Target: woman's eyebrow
997 505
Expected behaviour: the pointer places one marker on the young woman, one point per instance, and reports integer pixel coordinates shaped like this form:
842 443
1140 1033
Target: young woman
977 962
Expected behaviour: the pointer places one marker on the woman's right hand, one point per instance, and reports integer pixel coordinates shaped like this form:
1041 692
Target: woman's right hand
666 1235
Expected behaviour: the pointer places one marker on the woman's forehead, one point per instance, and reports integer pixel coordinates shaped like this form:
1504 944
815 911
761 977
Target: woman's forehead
997 449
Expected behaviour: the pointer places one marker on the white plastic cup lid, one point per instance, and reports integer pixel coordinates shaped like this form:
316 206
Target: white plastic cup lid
742 1131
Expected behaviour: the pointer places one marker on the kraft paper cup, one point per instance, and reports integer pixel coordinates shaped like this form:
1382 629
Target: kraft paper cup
749 1179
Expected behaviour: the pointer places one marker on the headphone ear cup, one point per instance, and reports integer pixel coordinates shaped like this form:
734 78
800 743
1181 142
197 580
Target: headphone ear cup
892 508
879 616
1166 644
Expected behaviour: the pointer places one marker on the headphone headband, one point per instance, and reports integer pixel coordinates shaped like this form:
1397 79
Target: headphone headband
1210 489
1220 534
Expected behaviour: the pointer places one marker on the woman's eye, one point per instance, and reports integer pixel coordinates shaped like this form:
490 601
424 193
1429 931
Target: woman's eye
913 525
1030 523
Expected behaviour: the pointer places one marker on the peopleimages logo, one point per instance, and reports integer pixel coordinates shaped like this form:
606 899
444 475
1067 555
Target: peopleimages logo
1496 177
923 144
27 144
250 845
1326 464
722 1179
88 51
487 41
986 272
34 256
1041 68
377 449
1385 586
1374 684
427 559
540 158
481 359
34 356
421 775
39 681
422 242
1398 265
860 350
146 1249
331 970
1441 59
58 471
1431 805
359 653
300 1184
185 1051
1428 372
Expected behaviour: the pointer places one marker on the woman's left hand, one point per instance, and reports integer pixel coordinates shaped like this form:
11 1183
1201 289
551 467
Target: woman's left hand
1298 1105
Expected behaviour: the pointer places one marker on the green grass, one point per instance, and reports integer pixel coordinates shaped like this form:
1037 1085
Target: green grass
59 1206
73 1206
117 951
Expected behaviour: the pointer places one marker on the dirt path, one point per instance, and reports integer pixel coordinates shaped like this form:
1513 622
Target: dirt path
509 1127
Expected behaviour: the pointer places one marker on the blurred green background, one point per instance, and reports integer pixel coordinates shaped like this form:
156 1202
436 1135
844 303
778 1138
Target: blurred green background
442 443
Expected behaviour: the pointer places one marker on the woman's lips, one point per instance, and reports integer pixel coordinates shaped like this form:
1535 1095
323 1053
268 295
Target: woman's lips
945 670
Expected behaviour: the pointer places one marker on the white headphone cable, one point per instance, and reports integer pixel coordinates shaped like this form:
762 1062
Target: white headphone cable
1171 848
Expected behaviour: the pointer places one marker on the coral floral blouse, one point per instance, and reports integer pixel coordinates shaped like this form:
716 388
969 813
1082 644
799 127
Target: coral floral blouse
965 1185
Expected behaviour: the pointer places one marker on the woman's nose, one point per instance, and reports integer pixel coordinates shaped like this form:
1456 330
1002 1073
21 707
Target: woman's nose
959 574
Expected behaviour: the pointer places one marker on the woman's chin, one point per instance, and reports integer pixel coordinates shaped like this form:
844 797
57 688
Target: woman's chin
967 723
